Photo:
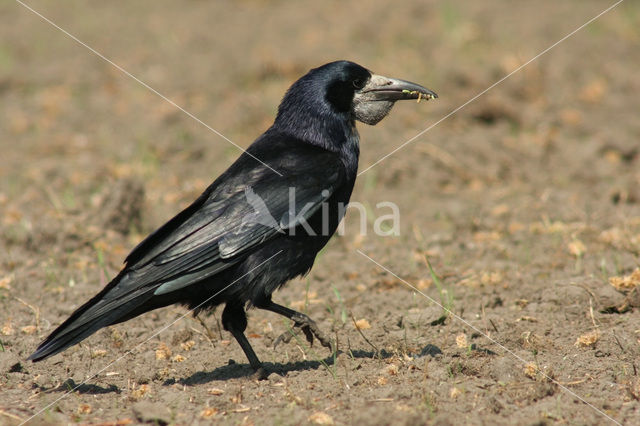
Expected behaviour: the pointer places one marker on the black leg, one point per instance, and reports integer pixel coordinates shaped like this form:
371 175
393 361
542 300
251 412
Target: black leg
234 320
302 321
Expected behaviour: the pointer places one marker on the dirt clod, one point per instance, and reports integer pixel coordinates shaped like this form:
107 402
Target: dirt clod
122 206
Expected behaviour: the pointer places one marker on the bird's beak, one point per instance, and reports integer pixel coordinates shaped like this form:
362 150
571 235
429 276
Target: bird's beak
381 88
374 101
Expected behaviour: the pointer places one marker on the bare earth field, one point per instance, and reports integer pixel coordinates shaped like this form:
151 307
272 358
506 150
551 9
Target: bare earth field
526 203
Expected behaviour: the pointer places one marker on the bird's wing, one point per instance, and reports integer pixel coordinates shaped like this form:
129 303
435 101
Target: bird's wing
234 219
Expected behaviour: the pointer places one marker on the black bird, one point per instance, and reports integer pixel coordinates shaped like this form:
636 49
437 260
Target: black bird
261 223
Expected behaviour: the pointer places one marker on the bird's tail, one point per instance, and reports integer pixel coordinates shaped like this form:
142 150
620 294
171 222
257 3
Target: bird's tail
108 307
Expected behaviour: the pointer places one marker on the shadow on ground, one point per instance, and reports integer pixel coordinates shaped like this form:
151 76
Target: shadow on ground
70 385
234 370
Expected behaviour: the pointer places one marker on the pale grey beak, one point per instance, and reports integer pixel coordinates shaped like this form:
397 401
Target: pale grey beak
392 89
374 101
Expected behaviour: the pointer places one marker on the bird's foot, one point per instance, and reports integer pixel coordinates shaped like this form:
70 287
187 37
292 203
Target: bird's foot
261 374
310 330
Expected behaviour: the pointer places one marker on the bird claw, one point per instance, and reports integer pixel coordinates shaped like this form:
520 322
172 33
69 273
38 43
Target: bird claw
310 330
261 374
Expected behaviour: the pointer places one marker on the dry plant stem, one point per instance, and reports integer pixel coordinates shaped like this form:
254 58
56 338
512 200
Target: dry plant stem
206 327
12 416
35 310
375 349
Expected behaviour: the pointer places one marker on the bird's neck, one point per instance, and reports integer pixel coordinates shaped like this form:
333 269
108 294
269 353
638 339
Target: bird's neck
350 153
335 134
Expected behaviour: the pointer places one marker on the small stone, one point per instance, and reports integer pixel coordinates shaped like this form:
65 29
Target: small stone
208 412
320 418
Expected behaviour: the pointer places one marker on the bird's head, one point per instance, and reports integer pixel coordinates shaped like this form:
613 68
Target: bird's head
348 89
322 106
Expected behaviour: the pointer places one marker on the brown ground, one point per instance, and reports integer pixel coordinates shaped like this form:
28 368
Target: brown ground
526 203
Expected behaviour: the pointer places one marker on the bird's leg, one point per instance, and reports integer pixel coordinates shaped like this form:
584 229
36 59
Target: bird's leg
234 320
302 321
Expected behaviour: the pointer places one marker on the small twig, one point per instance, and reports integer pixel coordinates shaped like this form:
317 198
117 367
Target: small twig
591 293
575 382
304 355
206 327
207 334
494 326
593 320
484 320
13 416
376 351
195 330
35 310
617 341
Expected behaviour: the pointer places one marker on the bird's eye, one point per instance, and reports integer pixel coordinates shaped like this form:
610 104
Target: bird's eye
358 83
